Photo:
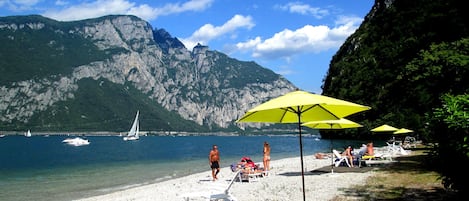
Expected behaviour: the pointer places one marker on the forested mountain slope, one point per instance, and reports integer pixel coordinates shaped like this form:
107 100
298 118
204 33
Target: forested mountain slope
404 56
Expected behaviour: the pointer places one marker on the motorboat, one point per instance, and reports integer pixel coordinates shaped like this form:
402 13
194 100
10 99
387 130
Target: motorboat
77 141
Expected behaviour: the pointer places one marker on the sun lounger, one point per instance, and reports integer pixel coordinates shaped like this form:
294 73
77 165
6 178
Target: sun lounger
377 158
377 162
340 159
249 171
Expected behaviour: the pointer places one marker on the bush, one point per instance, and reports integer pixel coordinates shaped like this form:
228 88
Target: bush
449 128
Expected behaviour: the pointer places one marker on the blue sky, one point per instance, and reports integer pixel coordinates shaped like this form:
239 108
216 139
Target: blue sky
296 39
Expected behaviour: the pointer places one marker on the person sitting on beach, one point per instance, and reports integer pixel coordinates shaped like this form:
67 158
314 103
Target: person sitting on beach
348 152
369 149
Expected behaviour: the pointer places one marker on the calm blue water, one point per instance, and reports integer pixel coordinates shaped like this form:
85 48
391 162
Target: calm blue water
43 168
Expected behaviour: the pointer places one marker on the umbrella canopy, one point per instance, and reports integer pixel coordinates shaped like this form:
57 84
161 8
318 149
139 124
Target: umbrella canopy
332 124
384 128
299 107
310 107
402 131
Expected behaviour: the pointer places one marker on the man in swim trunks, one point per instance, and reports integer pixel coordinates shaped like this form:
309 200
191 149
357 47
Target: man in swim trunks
214 161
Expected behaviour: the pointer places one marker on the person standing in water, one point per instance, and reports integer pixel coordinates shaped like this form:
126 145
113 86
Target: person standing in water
214 161
266 156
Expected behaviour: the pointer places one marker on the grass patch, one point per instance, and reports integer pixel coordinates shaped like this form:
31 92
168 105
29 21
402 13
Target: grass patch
411 178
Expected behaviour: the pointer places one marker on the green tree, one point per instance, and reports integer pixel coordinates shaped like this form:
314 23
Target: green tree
441 69
449 126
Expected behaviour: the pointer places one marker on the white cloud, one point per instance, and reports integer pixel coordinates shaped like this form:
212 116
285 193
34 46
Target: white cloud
208 32
304 9
307 39
26 2
61 3
91 10
168 9
194 5
98 8
144 11
19 5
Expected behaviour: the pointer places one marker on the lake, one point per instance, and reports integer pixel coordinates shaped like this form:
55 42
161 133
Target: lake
44 168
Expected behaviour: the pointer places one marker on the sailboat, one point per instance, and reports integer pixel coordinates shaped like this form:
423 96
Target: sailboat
28 134
133 133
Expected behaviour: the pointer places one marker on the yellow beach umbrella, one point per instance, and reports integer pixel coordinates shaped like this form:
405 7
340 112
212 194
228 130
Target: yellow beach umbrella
299 107
332 124
403 130
293 106
384 128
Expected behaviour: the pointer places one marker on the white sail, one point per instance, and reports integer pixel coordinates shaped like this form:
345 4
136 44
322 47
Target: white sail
28 134
134 130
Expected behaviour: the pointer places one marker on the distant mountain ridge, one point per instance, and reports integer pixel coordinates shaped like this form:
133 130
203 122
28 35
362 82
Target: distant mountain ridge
94 74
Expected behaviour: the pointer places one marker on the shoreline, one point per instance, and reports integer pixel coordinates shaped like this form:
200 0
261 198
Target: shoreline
142 134
283 183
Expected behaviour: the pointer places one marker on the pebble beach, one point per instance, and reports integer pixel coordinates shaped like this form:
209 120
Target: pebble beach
283 183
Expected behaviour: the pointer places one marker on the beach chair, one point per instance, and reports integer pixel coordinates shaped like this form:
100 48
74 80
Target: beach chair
340 159
249 170
381 156
397 149
253 176
215 192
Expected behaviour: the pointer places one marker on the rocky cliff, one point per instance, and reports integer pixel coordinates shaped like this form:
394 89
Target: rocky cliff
203 86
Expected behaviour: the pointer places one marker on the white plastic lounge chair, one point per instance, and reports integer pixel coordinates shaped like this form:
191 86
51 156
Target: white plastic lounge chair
339 158
397 149
253 176
381 156
215 193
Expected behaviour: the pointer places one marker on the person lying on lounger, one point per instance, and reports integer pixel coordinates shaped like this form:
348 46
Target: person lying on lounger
320 155
248 166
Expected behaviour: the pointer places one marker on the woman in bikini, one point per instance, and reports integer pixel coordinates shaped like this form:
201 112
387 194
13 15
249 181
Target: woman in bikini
266 156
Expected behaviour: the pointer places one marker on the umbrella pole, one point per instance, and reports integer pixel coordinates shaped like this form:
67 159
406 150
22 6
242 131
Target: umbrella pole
332 155
332 158
301 156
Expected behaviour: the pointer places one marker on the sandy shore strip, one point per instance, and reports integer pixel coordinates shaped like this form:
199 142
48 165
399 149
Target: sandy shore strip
284 183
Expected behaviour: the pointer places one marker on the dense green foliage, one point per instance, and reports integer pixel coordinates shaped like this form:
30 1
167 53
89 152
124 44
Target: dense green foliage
449 126
401 60
441 69
104 106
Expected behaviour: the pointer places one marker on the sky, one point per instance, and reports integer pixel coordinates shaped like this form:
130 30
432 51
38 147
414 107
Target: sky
295 39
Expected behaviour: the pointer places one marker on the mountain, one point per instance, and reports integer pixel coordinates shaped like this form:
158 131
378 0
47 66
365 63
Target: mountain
95 74
401 60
